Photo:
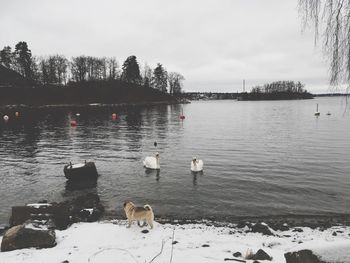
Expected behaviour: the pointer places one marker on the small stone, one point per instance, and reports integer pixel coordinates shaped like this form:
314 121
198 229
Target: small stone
263 229
175 242
145 231
205 245
297 229
237 254
334 234
261 255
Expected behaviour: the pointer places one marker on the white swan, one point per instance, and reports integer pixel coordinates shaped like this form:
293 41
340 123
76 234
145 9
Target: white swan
196 165
151 162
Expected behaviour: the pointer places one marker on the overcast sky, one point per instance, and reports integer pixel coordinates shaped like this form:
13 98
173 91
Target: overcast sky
215 44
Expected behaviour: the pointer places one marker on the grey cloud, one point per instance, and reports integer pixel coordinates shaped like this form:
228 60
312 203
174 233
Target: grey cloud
214 44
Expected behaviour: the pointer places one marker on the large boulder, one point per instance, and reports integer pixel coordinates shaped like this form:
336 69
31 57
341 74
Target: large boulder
302 256
86 208
26 236
21 214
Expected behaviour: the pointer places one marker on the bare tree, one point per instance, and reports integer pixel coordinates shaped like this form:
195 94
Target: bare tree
79 68
112 66
175 83
331 20
146 75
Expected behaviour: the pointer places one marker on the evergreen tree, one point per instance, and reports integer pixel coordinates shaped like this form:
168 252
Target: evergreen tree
6 57
24 58
131 70
160 78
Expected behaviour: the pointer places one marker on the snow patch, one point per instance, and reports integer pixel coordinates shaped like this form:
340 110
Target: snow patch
113 241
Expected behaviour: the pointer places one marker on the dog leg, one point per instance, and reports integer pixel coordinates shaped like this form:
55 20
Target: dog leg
150 223
129 223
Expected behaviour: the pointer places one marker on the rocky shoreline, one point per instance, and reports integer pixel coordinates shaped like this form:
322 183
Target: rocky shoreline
297 239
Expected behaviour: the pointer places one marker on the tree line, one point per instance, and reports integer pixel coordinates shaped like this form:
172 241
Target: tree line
60 71
280 86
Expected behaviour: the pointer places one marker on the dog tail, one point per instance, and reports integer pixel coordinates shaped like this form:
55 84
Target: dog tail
147 207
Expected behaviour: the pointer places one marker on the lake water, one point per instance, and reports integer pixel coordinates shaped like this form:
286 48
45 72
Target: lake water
260 158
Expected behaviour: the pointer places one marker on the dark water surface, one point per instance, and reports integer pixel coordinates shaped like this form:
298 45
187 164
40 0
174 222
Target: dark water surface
261 158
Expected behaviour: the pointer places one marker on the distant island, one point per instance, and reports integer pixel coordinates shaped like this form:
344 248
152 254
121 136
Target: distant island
279 90
56 80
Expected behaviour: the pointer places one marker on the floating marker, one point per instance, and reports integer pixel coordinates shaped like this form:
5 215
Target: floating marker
6 118
114 116
73 123
155 144
77 114
182 116
17 114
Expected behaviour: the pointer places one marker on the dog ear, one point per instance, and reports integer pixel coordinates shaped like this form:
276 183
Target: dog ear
125 203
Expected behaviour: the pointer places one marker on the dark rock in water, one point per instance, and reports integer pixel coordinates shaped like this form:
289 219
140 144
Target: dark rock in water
334 233
237 254
175 242
263 229
261 255
255 261
26 236
81 172
86 208
66 261
205 245
145 231
302 256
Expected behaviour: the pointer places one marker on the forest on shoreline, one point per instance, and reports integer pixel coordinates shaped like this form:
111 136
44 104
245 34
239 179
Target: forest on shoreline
54 79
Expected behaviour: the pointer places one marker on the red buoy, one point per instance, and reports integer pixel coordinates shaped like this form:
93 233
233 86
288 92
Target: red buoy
182 117
73 123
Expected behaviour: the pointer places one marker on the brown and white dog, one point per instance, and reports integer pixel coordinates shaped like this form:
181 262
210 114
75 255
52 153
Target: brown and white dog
134 213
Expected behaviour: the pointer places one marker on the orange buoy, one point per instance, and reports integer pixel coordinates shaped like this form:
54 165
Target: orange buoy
73 123
114 116
6 118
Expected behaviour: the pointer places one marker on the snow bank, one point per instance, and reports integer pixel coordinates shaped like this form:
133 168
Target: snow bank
113 242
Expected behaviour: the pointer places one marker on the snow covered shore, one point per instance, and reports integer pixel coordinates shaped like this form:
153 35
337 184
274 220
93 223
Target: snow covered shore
111 241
